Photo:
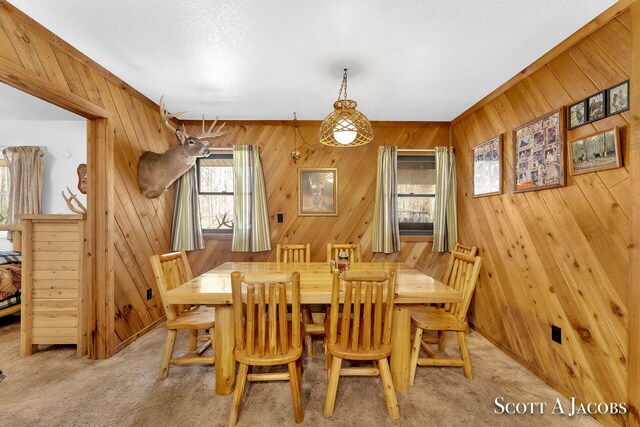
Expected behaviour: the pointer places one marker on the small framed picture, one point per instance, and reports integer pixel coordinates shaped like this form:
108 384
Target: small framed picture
596 107
595 152
487 167
318 192
577 114
618 98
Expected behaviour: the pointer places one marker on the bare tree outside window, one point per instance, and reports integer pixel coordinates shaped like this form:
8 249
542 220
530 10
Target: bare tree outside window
416 194
215 179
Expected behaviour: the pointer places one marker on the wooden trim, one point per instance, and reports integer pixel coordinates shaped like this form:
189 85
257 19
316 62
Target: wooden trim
138 334
214 236
583 32
405 238
634 261
26 314
25 81
100 235
317 123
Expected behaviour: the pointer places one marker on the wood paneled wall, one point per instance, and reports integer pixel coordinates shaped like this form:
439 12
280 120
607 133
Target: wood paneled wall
142 226
356 188
557 256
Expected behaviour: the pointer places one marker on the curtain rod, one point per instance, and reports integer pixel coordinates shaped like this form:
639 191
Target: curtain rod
430 150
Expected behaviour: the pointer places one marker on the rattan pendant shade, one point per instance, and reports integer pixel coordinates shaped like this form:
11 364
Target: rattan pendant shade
345 126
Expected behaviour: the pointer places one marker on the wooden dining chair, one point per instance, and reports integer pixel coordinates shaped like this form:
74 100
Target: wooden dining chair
451 265
293 253
361 331
451 317
301 253
170 271
467 250
264 336
354 249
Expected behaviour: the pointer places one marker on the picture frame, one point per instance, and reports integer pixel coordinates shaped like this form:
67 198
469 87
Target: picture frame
487 167
577 114
597 106
595 152
618 98
317 192
538 153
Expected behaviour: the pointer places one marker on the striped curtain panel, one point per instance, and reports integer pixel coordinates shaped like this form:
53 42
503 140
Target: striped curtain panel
445 222
251 226
186 233
386 231
26 179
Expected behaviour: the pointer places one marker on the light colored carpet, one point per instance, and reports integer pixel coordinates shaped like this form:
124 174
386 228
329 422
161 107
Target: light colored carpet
54 388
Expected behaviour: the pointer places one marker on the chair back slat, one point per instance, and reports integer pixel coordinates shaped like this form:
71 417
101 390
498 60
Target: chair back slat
346 316
377 316
366 317
271 326
365 321
354 250
171 270
293 253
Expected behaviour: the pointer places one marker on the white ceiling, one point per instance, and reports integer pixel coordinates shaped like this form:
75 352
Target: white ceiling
242 59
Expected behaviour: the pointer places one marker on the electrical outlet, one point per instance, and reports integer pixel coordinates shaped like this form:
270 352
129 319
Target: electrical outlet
149 294
556 334
280 218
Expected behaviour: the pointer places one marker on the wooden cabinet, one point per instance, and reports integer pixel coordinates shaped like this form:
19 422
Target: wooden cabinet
53 282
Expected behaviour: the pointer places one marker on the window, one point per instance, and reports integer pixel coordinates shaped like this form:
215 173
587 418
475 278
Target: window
215 193
4 191
416 194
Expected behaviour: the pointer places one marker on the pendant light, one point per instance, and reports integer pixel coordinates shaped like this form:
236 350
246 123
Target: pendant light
345 126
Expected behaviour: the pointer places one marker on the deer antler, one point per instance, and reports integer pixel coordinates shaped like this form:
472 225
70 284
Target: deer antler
166 116
209 132
79 208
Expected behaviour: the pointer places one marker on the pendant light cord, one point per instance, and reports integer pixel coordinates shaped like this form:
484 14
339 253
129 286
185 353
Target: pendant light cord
343 86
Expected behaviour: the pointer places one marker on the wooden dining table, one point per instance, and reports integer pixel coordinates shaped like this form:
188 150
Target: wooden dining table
214 288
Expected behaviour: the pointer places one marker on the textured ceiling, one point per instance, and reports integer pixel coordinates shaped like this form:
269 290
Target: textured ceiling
240 59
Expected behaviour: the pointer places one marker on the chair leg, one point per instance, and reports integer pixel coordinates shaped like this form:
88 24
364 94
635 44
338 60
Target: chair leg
167 352
332 387
307 319
237 394
389 390
464 352
193 340
296 388
415 352
440 341
300 369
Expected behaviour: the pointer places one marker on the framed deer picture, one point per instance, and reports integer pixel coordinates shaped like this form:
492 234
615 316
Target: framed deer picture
318 192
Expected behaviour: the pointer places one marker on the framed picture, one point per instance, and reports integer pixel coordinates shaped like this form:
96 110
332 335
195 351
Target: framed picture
596 106
595 152
318 192
487 167
618 98
539 153
577 114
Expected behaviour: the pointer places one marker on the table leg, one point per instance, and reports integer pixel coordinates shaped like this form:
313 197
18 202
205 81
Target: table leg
224 345
401 347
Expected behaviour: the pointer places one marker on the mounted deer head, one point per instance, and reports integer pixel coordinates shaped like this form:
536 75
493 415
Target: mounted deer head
156 172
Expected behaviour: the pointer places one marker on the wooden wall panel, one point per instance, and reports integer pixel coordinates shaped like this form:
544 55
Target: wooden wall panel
557 256
142 227
356 181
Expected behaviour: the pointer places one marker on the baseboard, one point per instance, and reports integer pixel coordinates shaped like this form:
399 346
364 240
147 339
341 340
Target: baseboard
137 335
559 388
